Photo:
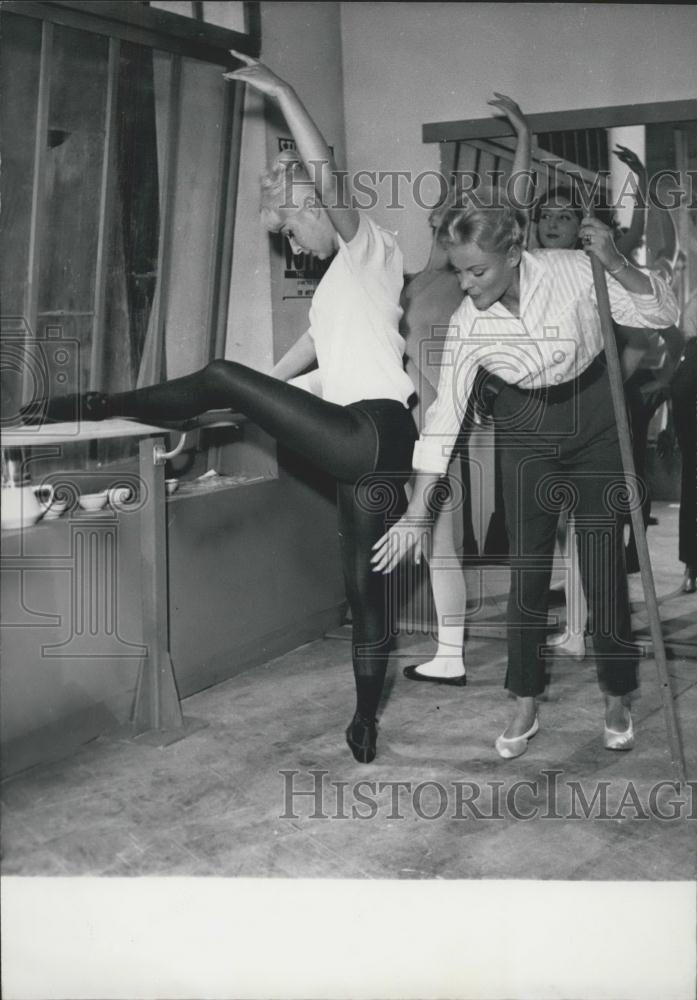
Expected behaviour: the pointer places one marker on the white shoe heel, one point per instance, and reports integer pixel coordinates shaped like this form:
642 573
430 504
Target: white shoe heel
619 741
567 644
515 746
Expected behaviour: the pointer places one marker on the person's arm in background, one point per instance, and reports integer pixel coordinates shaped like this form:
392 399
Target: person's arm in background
688 320
522 188
658 388
296 359
629 241
312 148
665 259
631 348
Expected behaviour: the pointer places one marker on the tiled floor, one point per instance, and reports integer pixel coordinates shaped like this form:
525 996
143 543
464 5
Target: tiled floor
219 802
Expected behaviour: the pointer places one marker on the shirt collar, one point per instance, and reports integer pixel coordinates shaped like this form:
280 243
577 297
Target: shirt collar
532 271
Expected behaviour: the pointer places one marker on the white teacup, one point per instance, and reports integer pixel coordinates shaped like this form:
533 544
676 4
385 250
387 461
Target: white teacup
20 506
93 501
171 485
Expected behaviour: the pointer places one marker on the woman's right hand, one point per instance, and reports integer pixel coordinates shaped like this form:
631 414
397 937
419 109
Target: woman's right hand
407 535
508 107
630 159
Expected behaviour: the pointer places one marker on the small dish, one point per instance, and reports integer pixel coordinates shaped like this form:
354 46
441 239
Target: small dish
93 501
171 485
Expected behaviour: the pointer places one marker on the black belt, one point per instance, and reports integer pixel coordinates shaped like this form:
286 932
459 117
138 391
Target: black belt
487 386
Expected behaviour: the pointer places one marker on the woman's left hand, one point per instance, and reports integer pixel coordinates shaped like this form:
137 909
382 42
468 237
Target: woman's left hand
257 75
597 241
508 107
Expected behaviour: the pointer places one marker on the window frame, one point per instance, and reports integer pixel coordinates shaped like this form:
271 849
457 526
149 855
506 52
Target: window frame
181 37
135 22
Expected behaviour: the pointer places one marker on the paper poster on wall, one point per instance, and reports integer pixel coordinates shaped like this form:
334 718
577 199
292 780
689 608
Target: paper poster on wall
301 272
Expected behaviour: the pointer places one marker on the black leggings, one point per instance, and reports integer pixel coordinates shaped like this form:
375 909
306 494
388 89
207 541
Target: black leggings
366 446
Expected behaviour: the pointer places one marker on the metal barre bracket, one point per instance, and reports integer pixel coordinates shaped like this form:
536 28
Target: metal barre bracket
160 456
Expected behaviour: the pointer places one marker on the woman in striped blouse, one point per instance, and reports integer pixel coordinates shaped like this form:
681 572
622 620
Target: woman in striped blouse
531 319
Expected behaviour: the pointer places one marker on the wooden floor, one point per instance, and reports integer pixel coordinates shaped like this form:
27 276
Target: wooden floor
222 801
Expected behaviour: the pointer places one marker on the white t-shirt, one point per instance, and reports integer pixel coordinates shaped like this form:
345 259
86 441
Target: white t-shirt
354 321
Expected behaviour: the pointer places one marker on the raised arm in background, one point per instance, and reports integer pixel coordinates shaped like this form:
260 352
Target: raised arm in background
629 241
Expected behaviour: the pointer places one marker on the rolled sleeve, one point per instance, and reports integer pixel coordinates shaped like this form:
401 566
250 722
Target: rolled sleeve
656 310
432 456
434 448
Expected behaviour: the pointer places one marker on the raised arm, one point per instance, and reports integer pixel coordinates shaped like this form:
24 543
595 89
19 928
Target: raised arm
523 153
668 252
312 148
630 240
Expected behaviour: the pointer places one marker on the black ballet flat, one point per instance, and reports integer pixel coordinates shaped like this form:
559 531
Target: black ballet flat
58 409
411 674
362 736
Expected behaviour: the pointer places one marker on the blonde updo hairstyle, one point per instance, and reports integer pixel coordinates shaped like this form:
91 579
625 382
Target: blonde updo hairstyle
484 217
284 188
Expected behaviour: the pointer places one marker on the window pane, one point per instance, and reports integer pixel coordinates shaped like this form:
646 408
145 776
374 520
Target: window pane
225 13
68 234
194 222
134 216
19 85
19 80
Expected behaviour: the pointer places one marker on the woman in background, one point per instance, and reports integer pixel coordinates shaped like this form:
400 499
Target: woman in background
558 218
430 298
683 393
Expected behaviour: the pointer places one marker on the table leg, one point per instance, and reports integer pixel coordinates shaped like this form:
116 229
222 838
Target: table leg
156 704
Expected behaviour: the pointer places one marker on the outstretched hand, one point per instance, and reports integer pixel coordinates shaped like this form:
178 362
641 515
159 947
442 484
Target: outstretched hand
508 107
403 537
629 157
257 75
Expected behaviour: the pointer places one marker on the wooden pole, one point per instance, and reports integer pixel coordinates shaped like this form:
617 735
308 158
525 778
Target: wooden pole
618 402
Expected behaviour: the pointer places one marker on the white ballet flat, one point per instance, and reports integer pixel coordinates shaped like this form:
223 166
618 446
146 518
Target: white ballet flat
515 746
567 644
619 741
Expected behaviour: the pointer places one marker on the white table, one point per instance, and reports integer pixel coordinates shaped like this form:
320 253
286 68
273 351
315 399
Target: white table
157 717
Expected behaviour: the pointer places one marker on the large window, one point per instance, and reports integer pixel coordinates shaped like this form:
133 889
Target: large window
121 151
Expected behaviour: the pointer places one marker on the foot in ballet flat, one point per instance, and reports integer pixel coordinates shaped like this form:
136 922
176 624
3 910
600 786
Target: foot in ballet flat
60 409
567 643
449 670
619 728
513 741
362 736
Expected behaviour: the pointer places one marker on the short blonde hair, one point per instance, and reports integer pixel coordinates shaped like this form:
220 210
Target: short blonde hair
279 189
484 217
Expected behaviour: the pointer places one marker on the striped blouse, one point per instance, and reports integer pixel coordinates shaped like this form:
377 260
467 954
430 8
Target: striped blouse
553 341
